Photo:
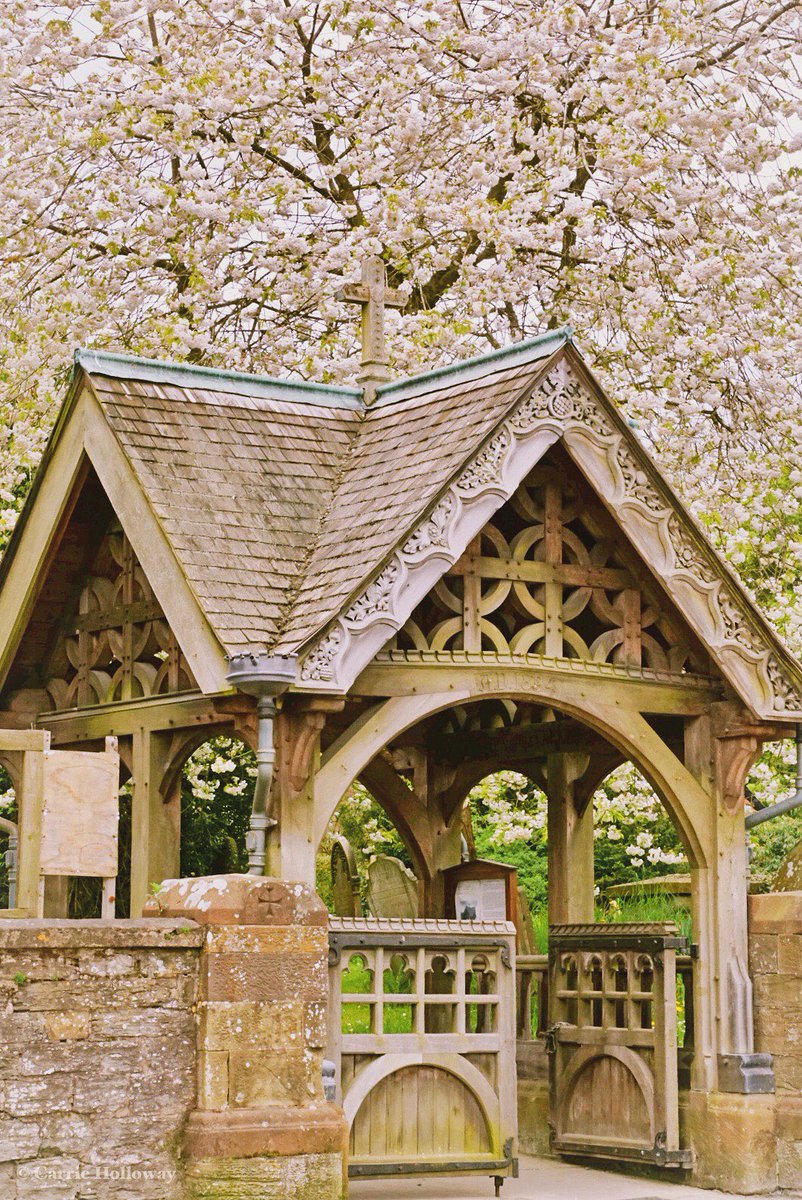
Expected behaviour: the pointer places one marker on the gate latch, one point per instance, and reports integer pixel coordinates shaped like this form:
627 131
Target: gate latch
551 1037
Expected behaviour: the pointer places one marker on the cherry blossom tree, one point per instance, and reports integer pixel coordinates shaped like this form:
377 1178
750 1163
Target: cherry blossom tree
194 179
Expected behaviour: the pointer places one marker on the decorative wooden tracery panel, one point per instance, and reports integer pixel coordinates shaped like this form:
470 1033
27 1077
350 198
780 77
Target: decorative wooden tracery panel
551 576
117 644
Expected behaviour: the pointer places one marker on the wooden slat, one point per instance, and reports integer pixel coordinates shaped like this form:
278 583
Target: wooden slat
471 600
13 740
526 571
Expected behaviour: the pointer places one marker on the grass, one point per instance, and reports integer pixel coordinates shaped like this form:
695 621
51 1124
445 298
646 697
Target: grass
356 1017
657 907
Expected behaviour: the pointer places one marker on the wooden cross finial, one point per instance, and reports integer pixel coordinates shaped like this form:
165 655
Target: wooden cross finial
373 294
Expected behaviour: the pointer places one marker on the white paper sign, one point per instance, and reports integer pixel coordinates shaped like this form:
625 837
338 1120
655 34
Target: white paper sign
481 900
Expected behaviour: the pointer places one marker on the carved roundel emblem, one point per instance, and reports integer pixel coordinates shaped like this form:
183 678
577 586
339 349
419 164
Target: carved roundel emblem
561 403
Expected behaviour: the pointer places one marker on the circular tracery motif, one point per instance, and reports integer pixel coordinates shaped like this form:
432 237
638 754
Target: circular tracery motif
560 588
120 646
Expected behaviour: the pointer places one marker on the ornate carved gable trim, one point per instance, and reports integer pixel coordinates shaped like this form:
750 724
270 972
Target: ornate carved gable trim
563 406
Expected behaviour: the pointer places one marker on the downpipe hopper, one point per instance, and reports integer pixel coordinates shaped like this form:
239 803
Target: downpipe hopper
790 802
267 677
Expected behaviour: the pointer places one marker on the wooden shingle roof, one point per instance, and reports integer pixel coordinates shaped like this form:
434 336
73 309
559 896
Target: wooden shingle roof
279 503
287 518
240 486
403 455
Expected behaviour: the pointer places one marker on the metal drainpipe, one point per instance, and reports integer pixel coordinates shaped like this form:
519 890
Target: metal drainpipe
256 839
265 676
790 802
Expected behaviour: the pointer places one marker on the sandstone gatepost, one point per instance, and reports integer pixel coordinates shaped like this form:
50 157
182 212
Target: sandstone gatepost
262 1127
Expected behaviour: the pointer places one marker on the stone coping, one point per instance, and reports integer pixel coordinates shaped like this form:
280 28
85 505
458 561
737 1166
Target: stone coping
775 912
55 934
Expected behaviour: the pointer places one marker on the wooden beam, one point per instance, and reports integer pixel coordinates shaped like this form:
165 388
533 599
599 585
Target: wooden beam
519 741
412 674
526 571
471 600
404 809
112 618
24 739
125 718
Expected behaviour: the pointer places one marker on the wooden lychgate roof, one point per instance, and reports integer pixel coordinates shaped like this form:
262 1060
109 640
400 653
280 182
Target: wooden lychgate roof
293 519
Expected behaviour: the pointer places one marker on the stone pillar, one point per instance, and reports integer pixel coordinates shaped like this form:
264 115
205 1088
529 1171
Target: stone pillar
262 1128
775 959
570 843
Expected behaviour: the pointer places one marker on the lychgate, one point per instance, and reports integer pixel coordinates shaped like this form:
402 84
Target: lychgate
481 568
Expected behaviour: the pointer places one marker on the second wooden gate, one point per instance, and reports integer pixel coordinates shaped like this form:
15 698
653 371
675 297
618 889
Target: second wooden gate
612 1042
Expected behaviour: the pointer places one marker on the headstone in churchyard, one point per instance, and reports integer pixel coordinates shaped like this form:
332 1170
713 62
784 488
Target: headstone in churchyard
392 888
344 879
527 942
789 876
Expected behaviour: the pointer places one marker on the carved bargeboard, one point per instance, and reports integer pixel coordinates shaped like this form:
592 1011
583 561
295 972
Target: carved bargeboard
565 408
117 645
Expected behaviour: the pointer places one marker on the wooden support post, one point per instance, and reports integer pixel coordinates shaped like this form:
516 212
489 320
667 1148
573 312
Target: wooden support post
570 843
722 985
155 825
437 830
30 802
446 847
471 600
553 592
56 896
291 843
108 900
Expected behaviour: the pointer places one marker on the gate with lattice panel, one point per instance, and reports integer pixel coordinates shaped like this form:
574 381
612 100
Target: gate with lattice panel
612 1042
422 1035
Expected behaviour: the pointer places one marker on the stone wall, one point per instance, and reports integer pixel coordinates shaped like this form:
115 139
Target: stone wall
98 1061
775 963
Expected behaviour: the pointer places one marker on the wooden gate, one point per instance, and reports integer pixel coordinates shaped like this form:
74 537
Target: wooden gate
422 1035
612 1042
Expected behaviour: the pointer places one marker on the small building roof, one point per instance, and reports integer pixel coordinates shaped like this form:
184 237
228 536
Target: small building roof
289 507
268 490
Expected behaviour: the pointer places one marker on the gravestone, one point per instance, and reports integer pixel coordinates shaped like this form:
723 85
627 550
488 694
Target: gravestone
392 888
789 876
344 879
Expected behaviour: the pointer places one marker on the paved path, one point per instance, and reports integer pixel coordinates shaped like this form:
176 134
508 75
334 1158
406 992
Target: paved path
540 1179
